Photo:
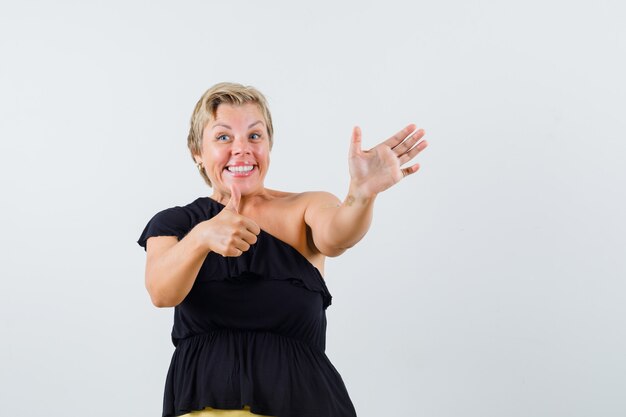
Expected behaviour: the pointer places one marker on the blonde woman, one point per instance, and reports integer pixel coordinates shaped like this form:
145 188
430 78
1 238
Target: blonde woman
244 267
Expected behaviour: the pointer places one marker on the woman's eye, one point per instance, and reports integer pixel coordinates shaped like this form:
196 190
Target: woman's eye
222 138
255 136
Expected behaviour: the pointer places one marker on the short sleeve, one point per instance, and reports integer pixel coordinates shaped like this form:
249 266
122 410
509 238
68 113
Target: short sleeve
173 221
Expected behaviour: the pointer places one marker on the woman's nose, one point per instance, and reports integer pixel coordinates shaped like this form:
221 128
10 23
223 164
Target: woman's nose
241 146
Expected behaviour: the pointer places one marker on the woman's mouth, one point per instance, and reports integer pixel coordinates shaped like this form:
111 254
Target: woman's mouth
240 170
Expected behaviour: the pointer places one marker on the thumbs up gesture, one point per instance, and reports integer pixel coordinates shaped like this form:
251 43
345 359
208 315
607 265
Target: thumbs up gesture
229 233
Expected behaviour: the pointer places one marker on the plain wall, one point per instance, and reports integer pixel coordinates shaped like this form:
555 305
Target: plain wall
491 282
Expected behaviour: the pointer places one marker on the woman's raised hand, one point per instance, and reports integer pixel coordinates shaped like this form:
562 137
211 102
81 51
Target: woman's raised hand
229 233
375 170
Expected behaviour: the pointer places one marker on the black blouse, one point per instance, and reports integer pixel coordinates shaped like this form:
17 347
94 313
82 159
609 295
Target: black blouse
252 330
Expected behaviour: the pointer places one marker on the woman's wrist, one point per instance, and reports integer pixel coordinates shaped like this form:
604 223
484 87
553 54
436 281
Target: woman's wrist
358 195
201 242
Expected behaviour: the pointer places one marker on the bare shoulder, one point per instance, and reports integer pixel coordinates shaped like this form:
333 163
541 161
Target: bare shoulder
319 199
305 199
296 217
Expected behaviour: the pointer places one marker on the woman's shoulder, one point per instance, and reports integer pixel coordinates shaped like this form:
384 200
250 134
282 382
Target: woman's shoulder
305 198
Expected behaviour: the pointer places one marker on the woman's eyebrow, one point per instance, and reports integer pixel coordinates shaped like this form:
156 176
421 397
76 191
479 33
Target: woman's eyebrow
228 127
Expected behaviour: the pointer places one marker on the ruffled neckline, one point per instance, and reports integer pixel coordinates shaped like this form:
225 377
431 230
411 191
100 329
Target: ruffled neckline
293 267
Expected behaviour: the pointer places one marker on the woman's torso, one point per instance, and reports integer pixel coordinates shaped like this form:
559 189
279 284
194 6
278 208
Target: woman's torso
252 329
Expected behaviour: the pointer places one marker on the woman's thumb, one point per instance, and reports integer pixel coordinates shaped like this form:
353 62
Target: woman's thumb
235 197
355 143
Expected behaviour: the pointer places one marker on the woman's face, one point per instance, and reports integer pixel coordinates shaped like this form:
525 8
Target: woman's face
236 148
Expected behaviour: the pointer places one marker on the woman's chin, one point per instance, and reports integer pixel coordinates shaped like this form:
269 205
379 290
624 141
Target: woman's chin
245 183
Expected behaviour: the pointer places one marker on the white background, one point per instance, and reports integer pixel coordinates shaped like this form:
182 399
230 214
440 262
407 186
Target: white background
491 282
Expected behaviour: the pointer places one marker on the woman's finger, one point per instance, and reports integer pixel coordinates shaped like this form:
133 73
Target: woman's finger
242 245
410 170
407 156
409 142
400 136
234 252
249 237
251 226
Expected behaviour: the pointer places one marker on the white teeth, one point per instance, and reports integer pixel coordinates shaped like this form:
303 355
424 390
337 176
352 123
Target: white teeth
241 168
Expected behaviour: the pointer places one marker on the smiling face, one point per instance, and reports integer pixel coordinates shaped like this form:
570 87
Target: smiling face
235 149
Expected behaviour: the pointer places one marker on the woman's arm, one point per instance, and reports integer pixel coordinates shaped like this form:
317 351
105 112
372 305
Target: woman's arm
172 266
338 226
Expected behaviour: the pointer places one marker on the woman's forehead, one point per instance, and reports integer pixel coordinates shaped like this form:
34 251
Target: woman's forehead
247 114
225 110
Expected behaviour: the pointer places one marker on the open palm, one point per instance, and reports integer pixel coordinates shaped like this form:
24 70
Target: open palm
375 170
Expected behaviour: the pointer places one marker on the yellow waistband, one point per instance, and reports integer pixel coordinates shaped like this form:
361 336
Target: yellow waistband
215 412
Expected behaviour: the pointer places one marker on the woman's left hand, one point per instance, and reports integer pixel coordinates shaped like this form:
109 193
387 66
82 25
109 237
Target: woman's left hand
375 170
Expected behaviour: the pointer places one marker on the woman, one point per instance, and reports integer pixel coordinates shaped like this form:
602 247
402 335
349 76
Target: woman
244 267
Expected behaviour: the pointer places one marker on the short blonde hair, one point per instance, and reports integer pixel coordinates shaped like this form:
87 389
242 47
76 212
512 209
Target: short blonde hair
206 109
